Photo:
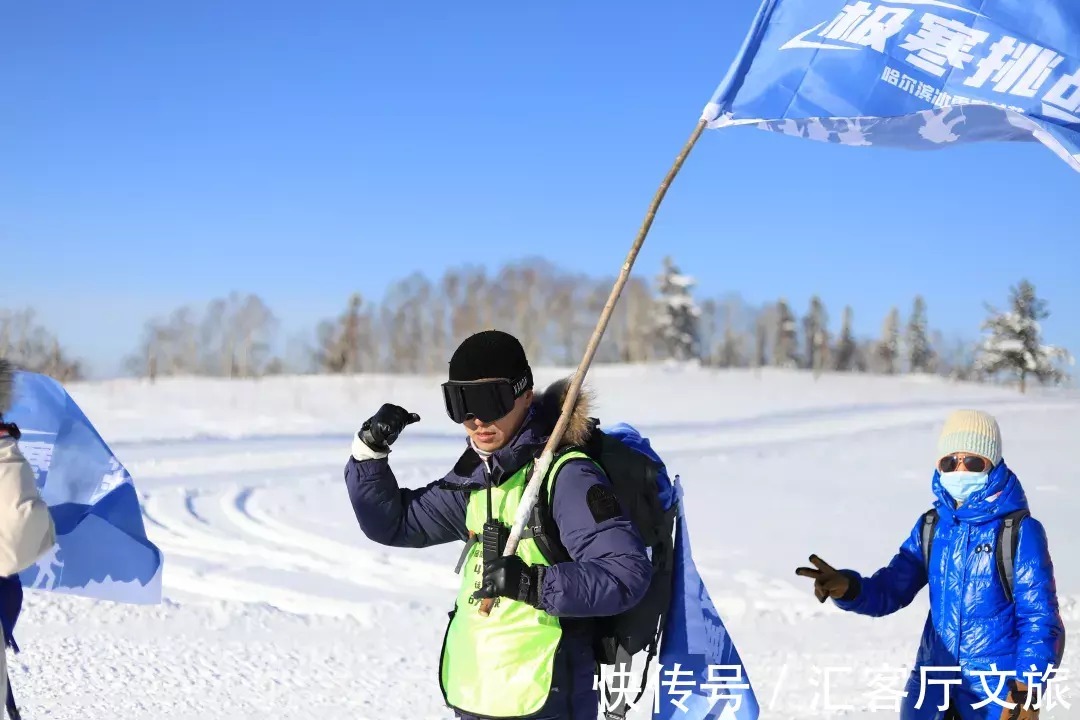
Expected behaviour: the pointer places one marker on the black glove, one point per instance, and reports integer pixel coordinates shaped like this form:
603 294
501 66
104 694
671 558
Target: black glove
511 577
829 582
381 430
1025 706
10 429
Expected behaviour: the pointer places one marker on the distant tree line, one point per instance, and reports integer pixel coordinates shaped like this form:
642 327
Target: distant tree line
28 345
727 334
414 327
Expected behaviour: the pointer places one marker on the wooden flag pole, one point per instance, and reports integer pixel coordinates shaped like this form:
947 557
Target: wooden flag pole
540 469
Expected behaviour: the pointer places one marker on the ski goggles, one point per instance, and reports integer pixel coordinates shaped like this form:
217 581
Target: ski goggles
485 400
971 463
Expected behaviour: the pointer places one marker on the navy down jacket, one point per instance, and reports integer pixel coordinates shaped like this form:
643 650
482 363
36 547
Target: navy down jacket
611 570
972 625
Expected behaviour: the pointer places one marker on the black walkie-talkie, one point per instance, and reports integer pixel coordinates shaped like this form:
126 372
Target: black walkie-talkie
495 536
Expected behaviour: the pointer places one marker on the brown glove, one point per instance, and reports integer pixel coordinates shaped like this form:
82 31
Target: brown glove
828 582
1019 695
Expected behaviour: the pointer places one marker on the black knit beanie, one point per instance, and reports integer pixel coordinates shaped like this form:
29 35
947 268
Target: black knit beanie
490 354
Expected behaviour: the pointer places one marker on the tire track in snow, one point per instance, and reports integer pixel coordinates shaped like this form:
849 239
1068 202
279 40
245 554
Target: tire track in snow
223 587
189 503
335 551
253 557
174 532
788 429
207 563
380 571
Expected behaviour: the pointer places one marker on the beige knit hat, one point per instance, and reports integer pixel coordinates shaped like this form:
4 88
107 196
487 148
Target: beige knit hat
971 431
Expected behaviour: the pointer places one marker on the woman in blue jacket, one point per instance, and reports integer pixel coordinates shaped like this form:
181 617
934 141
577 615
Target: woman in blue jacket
976 625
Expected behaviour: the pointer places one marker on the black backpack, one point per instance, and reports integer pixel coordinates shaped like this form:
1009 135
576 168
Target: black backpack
637 479
1008 537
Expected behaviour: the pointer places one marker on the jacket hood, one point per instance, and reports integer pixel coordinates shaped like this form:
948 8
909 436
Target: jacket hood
529 442
1002 495
7 381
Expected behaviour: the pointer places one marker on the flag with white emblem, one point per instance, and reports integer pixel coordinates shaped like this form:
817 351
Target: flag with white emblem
101 549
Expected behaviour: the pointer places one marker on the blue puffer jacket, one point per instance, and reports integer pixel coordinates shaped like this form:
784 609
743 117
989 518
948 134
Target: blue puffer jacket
972 625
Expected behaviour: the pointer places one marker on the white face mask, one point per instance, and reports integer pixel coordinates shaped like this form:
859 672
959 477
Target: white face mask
962 484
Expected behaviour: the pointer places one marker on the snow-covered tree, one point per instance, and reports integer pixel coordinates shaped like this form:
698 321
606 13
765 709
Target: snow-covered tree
888 348
920 353
957 360
237 335
785 338
677 315
847 350
1015 344
816 334
709 333
731 350
761 343
344 344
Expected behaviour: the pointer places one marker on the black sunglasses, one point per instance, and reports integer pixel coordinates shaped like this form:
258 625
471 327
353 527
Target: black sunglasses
974 464
485 400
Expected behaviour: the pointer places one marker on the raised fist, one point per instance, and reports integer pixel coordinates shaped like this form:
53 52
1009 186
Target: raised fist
381 430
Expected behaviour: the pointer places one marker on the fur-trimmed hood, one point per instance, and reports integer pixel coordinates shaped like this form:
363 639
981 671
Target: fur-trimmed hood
549 404
7 381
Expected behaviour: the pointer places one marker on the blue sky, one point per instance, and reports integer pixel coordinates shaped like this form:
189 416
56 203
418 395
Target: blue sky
155 154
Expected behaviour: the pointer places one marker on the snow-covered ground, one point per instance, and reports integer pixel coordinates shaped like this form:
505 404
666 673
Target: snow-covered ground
277 605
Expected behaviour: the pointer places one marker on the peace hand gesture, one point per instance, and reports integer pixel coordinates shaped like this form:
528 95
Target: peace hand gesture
828 581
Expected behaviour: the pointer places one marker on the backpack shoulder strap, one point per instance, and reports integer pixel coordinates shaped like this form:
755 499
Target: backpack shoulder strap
929 525
1007 542
542 519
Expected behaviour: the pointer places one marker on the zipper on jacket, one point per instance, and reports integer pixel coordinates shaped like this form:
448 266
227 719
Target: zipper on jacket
963 583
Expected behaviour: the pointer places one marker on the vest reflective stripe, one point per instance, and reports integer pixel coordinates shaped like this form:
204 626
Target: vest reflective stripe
501 665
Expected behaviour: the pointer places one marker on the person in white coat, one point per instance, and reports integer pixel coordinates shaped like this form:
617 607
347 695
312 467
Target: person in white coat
26 526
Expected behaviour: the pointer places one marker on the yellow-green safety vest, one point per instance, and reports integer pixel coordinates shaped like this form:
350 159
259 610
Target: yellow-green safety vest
499 666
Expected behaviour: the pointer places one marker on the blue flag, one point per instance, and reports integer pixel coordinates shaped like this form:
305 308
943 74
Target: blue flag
916 74
101 548
702 672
